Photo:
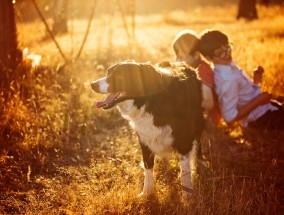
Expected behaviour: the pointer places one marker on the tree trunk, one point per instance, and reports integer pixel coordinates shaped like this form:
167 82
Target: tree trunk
247 10
10 56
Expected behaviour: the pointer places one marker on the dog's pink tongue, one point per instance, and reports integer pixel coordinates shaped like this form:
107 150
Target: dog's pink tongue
108 100
100 104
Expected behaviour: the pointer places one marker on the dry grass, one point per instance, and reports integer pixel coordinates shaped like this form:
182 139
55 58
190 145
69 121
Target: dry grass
60 155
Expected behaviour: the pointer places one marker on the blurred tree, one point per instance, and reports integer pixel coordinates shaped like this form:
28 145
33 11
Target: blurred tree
264 2
247 10
10 55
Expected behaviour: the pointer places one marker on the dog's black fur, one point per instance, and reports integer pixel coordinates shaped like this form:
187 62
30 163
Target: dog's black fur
172 98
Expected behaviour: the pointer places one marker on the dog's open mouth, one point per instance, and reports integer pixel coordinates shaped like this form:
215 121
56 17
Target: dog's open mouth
111 100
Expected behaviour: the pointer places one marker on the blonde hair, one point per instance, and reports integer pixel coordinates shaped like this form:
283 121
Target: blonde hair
187 41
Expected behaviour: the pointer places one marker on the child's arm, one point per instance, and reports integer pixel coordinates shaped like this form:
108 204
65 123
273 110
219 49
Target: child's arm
207 94
261 99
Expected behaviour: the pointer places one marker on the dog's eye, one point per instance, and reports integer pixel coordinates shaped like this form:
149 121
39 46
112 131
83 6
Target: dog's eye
114 79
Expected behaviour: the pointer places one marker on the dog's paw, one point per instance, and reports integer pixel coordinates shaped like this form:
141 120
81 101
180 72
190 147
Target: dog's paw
142 195
186 193
203 164
145 194
186 196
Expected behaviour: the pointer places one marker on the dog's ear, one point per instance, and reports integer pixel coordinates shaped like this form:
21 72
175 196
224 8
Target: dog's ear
153 81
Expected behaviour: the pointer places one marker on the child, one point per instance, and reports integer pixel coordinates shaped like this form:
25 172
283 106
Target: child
185 45
240 99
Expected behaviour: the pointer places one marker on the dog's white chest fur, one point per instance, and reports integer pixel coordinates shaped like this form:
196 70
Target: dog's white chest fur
159 139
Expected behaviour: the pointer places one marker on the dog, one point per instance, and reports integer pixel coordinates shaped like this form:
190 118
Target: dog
163 106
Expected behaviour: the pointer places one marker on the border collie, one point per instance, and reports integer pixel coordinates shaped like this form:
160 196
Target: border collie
163 106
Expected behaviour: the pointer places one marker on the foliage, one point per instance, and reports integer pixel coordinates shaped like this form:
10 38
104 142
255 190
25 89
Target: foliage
61 155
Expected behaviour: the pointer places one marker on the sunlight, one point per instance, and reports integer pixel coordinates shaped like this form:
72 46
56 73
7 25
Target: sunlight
238 135
61 154
236 132
34 58
164 71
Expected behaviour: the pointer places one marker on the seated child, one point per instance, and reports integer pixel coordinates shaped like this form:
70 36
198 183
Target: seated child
240 99
186 45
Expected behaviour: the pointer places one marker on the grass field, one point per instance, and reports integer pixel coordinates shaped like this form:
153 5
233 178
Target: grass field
61 155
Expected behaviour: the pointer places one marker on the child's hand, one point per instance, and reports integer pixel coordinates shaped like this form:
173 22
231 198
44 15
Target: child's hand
257 74
264 97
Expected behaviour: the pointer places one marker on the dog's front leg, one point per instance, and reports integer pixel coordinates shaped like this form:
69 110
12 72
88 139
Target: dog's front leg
185 172
188 170
148 160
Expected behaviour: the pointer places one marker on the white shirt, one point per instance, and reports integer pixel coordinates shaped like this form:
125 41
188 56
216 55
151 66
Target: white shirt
235 90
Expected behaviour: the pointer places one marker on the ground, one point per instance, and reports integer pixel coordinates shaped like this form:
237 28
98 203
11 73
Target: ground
61 155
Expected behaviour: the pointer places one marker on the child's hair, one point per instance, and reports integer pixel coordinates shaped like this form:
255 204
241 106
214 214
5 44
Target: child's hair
211 40
187 41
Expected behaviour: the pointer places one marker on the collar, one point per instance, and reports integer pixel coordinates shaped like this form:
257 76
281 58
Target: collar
226 68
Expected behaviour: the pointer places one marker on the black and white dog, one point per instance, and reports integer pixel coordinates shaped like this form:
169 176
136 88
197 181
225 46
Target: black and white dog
163 105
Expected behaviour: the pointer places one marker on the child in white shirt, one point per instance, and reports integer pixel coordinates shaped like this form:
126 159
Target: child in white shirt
240 99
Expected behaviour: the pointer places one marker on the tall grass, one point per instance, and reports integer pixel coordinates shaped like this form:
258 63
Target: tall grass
61 155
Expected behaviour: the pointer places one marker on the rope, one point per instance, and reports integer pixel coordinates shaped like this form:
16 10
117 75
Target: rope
130 36
88 29
48 30
123 19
